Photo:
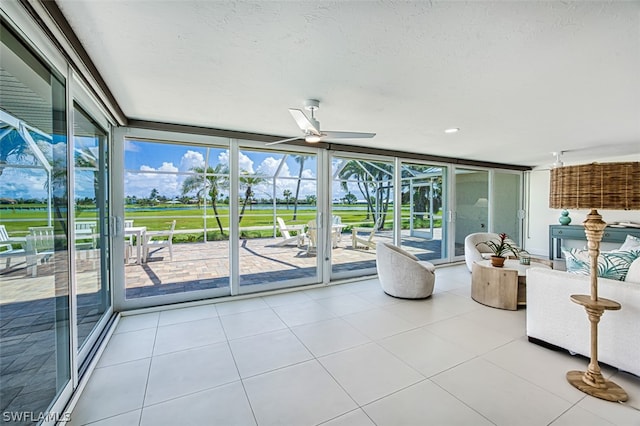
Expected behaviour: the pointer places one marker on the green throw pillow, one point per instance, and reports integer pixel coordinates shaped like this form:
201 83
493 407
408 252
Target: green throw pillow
611 264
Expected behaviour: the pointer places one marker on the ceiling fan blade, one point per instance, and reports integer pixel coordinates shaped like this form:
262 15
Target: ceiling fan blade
347 135
303 122
284 140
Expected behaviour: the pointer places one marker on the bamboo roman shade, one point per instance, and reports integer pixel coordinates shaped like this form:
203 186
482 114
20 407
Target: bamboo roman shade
606 186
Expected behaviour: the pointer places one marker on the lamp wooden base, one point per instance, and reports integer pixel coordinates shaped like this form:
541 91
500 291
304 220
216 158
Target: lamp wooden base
610 391
591 381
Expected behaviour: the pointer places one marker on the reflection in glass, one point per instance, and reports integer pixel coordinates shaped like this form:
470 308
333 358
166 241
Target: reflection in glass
34 274
91 219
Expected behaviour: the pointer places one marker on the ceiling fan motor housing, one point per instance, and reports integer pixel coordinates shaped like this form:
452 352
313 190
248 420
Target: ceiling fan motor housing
312 105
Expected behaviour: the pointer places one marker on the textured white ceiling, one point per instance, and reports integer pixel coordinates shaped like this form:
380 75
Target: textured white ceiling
520 79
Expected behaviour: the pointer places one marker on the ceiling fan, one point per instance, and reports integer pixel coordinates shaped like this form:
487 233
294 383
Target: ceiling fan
311 127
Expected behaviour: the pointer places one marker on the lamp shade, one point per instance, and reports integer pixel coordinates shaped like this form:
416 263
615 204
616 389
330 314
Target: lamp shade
606 186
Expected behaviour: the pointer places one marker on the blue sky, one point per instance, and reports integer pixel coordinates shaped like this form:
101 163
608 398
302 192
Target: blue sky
155 165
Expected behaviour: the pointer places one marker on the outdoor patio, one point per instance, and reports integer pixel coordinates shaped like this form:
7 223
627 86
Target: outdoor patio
198 266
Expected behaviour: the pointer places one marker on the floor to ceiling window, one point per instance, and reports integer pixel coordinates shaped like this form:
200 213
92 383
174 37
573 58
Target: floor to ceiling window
176 218
278 191
180 214
362 212
423 203
35 358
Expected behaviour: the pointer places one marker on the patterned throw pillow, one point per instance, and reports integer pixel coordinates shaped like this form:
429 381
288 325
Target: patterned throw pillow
631 243
611 264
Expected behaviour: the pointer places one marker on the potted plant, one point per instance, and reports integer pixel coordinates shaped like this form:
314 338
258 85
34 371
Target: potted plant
500 248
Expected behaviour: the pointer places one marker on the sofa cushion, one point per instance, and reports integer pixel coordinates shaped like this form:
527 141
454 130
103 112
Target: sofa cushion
631 243
633 276
611 264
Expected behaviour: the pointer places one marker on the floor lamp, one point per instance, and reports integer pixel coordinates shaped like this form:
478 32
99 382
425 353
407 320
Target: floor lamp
609 186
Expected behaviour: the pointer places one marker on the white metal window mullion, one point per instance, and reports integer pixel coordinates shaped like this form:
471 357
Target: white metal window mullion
234 226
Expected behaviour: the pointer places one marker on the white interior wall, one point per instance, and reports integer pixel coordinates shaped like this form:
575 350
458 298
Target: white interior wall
540 216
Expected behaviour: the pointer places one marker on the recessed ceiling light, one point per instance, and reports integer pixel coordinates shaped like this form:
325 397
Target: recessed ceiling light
452 130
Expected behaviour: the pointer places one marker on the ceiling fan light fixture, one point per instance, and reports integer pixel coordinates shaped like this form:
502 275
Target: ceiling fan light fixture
313 138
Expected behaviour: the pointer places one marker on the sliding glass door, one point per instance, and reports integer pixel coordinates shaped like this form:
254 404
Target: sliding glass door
471 204
424 198
35 354
362 213
278 232
176 219
91 229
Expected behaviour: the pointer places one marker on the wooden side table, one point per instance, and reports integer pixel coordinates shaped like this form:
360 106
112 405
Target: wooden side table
503 288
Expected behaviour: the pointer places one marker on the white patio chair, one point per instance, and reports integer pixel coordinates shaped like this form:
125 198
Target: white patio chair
156 239
6 249
128 240
285 230
40 247
312 237
86 230
366 242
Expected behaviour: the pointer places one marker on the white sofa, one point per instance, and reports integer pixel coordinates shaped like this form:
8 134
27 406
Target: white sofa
553 318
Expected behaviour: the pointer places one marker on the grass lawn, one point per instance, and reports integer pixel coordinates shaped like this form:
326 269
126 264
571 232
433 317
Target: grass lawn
18 219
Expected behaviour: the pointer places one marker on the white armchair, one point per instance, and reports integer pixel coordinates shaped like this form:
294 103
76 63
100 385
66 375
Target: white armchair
157 239
403 275
474 252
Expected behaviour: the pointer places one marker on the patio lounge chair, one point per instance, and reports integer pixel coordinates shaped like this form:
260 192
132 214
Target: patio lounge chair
365 242
40 247
285 230
153 241
6 249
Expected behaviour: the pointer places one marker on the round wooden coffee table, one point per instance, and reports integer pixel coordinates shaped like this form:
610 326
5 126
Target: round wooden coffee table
503 288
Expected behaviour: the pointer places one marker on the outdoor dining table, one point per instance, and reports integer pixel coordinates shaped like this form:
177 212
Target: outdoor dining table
139 232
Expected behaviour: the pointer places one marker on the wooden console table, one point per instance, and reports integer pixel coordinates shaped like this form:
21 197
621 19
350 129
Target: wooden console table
503 288
576 232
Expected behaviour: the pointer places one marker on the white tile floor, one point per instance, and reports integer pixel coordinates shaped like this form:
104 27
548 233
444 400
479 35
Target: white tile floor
343 355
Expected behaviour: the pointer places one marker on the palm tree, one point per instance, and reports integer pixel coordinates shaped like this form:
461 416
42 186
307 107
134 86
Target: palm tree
209 182
248 182
300 160
354 170
287 196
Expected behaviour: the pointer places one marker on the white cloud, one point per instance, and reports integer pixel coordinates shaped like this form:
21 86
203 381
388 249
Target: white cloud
141 184
191 160
269 167
246 163
131 146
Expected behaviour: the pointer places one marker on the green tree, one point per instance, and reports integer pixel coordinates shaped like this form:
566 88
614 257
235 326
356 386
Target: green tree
300 159
207 181
349 198
287 197
311 199
247 182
